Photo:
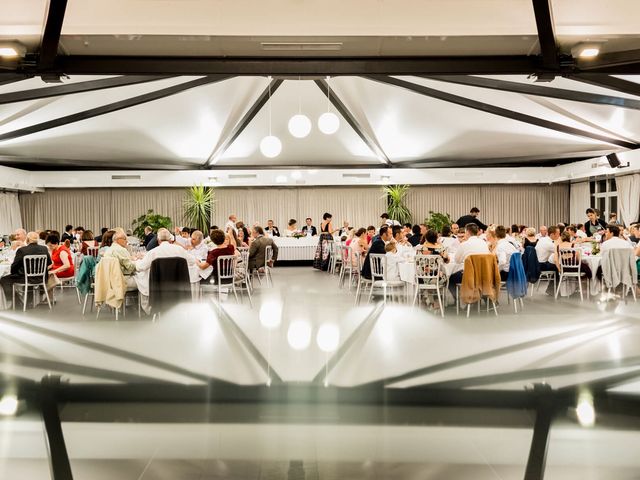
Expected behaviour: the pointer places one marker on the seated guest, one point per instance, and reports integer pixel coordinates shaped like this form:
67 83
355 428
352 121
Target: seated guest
377 246
407 230
455 229
543 231
414 238
87 241
184 233
258 249
392 272
545 249
385 220
20 236
131 238
613 219
221 248
580 231
309 230
243 240
118 250
471 244
104 230
148 236
61 258
431 246
271 230
359 244
564 243
345 228
194 244
78 235
530 239
17 266
504 249
42 237
471 218
403 247
292 227
371 232
594 225
634 233
68 234
107 240
448 240
613 240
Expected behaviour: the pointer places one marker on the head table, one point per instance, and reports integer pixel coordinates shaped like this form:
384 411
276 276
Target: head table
290 248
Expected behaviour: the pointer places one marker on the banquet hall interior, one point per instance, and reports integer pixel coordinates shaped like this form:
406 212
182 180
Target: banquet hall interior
300 239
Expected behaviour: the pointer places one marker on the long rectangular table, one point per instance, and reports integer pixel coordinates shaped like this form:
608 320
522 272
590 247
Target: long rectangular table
290 248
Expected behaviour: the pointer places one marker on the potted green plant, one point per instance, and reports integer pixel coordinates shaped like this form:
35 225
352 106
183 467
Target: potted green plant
198 207
437 220
396 207
150 219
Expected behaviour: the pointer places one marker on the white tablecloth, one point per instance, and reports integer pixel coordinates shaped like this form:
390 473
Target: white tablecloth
5 269
296 248
407 271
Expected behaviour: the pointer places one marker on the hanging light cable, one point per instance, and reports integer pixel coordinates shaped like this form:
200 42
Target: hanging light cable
328 123
270 146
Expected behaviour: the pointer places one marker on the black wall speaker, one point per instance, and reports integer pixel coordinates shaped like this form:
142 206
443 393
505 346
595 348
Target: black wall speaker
614 161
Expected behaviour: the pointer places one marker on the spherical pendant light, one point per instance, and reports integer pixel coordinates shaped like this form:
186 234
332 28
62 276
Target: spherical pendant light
271 146
328 123
299 126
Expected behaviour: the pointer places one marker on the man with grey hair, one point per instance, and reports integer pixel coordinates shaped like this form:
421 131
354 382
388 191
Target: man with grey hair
194 244
118 250
165 249
17 267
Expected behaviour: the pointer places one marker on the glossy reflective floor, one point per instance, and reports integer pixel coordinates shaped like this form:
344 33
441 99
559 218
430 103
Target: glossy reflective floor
306 329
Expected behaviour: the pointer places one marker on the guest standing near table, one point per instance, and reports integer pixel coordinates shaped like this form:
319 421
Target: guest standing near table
471 218
594 225
323 253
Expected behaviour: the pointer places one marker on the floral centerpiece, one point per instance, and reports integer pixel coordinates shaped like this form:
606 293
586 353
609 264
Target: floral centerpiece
298 234
595 248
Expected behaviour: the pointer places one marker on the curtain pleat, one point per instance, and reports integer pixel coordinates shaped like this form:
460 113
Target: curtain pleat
10 215
360 206
580 201
628 188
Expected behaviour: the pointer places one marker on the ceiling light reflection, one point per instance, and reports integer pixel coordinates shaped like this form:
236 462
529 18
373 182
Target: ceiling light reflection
328 337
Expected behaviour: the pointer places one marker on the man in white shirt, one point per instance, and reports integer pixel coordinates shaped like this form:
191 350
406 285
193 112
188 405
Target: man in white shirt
546 248
472 244
403 247
543 232
165 249
231 223
613 240
194 245
504 250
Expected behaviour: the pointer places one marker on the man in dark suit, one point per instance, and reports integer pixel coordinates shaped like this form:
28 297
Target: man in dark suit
103 230
471 218
68 234
17 267
308 227
377 246
271 229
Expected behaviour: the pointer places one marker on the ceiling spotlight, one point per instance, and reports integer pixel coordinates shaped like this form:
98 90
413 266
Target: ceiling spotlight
299 126
8 405
328 123
586 50
271 146
585 411
12 50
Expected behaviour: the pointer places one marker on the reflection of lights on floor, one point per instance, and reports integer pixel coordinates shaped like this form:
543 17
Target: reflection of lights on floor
8 405
328 337
585 411
299 334
271 314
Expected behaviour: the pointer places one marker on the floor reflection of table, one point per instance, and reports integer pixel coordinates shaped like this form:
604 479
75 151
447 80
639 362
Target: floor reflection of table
290 248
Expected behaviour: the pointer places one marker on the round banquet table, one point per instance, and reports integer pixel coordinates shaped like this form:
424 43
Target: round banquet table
5 269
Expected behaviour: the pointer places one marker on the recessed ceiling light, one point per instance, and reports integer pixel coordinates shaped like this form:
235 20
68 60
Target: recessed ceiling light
12 49
8 52
589 52
585 50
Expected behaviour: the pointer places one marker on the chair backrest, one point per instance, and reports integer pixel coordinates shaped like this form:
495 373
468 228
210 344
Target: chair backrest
619 265
268 255
93 251
35 267
347 254
169 282
428 266
226 267
243 249
378 262
569 258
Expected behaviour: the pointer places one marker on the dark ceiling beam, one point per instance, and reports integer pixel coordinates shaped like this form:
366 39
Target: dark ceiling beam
606 81
609 60
320 66
51 35
495 110
342 109
112 107
79 87
546 34
538 90
244 122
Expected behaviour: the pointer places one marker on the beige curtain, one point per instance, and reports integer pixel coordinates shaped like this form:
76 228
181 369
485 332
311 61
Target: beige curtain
10 218
628 187
98 207
525 204
579 202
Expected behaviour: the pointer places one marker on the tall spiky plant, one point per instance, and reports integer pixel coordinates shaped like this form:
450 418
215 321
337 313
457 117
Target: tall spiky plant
198 206
396 208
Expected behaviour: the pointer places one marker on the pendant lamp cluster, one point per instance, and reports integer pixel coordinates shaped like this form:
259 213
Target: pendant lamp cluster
299 126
